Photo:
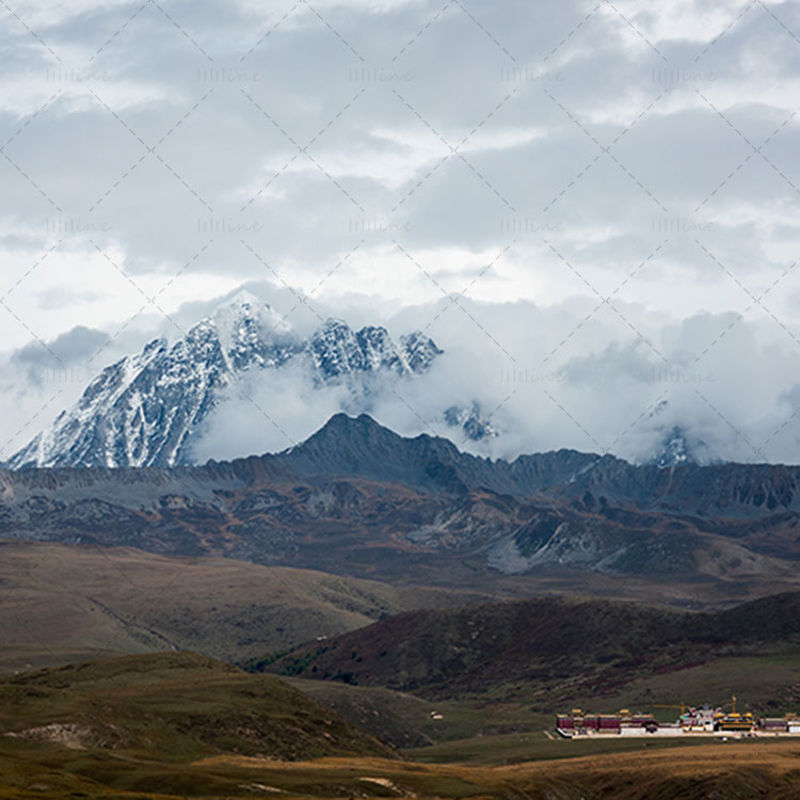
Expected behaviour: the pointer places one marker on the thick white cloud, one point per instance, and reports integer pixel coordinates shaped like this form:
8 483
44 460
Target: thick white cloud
566 375
157 156
579 373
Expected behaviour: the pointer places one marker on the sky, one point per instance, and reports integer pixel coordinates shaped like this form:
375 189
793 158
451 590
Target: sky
592 206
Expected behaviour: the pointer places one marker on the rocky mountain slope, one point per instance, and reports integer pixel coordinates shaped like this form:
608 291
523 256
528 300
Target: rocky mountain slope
149 409
357 499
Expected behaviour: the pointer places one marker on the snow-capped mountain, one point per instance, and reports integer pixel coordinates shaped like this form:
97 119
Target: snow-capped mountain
678 448
148 408
336 350
676 444
674 450
472 421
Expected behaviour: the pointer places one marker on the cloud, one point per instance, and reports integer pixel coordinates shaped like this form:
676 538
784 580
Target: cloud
268 413
69 348
552 377
604 176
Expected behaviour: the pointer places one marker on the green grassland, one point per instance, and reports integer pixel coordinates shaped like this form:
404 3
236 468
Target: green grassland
534 745
405 720
471 732
732 770
491 731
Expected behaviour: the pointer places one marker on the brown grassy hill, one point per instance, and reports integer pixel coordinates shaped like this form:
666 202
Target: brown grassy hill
174 706
731 771
169 726
550 649
62 603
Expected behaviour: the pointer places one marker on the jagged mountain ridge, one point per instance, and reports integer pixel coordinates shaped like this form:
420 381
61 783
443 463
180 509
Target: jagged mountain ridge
358 499
471 421
362 447
153 408
148 409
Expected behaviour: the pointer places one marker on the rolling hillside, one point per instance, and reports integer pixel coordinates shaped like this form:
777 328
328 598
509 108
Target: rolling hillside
169 726
552 651
183 704
64 603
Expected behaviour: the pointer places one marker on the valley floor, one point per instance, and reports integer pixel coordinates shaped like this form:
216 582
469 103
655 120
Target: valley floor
172 724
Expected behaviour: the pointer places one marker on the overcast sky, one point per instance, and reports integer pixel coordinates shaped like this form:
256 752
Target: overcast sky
603 190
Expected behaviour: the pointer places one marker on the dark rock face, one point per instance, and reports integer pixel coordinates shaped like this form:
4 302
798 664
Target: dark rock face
148 409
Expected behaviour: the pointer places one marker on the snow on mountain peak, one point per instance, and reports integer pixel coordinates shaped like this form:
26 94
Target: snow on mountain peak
251 333
149 408
243 297
678 447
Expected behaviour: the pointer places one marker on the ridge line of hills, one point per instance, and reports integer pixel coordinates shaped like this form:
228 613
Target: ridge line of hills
361 447
356 498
